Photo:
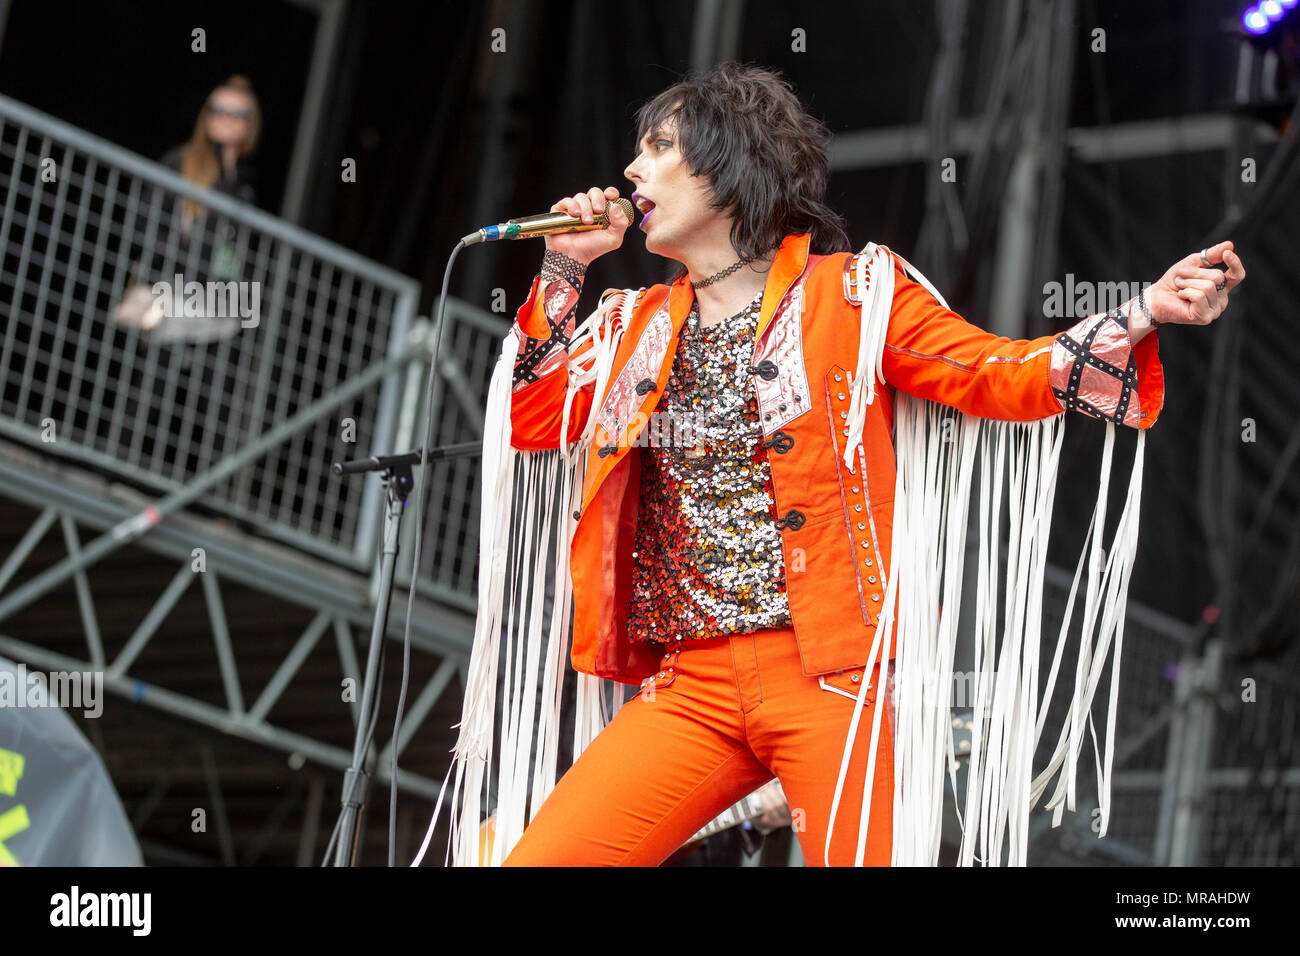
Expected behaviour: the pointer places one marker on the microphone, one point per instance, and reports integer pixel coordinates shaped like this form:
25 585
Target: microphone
546 224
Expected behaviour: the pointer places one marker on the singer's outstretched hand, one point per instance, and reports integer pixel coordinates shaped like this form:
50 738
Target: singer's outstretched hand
1192 291
591 245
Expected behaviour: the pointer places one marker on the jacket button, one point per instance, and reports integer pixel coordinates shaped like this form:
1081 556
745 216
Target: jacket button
855 678
793 520
867 562
862 527
857 507
840 396
872 579
844 414
839 377
856 489
846 433
780 441
875 597
577 515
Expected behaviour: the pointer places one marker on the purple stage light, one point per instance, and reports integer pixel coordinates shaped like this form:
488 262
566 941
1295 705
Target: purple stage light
1255 21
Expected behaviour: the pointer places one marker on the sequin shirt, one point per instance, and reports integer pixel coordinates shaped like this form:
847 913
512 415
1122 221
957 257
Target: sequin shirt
708 554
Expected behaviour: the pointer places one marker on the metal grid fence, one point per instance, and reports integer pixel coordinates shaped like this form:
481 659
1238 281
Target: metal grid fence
1153 646
1207 754
470 347
1253 787
264 320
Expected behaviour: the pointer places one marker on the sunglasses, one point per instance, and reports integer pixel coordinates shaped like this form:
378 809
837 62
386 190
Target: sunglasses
225 111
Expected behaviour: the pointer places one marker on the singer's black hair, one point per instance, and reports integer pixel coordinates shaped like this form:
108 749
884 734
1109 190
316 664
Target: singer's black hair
744 129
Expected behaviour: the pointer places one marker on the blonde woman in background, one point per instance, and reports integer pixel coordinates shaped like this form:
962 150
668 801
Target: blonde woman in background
215 157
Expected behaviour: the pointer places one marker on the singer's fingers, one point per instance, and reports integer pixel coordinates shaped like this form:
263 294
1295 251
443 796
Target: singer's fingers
1208 286
1216 251
597 197
583 202
1236 271
1186 272
611 192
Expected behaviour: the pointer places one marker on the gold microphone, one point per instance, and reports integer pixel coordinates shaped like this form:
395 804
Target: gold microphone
545 224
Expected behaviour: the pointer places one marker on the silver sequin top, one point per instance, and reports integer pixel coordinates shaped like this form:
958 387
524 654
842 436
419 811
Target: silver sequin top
708 556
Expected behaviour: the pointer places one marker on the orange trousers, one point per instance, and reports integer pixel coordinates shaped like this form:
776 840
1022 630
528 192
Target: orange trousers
723 717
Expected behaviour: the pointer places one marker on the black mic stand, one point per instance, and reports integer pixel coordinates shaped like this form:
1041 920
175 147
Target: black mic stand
398 483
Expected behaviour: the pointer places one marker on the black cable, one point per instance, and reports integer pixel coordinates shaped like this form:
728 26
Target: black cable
439 323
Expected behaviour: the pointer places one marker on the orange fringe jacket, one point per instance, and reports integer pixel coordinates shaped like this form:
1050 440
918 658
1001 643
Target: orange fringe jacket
835 520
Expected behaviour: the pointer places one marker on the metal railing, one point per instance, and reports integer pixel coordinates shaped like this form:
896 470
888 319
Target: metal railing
1243 807
85 226
1153 644
470 347
264 319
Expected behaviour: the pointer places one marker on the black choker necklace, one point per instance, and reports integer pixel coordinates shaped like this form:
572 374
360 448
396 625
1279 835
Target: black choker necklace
746 260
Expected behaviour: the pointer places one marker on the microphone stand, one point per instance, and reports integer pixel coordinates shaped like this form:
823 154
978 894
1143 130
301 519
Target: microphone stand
398 483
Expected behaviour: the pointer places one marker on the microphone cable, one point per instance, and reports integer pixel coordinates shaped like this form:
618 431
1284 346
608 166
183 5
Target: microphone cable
438 326
371 720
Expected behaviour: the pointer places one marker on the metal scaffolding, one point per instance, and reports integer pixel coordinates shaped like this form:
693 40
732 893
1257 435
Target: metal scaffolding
220 448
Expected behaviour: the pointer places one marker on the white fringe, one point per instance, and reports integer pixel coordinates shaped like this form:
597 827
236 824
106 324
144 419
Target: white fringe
525 528
932 501
925 571
877 297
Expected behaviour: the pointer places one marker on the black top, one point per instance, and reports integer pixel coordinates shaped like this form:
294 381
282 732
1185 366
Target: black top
240 186
213 248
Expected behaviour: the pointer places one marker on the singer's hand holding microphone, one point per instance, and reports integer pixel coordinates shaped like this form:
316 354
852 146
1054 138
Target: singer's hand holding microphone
583 226
587 246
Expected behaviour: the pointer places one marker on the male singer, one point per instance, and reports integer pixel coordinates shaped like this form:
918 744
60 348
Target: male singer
739 578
